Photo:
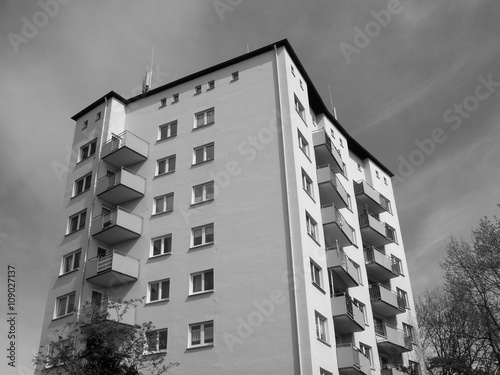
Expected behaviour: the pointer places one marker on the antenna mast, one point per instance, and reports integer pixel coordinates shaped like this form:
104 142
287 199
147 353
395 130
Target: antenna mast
148 79
331 103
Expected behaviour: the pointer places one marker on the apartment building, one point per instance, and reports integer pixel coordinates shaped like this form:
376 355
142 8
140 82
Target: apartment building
263 236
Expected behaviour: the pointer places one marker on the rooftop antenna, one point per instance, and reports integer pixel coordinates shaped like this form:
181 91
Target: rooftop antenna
148 79
331 103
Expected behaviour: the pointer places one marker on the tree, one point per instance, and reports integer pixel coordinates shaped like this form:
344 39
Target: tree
99 345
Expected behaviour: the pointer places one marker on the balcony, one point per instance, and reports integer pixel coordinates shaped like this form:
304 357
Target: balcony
366 195
392 340
113 269
342 267
111 307
116 226
331 190
379 266
121 186
325 151
386 302
125 149
376 232
351 361
347 317
337 230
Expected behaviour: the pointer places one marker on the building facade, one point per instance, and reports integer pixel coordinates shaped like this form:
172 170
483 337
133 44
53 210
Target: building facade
263 236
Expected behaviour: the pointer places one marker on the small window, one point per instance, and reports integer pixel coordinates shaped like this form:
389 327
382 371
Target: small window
202 282
402 298
359 167
166 165
299 108
344 170
300 83
159 290
377 174
65 305
55 348
197 90
85 124
414 368
201 334
202 235
204 118
203 153
98 116
307 184
71 262
324 372
362 308
88 150
164 203
235 76
312 227
408 332
157 341
77 222
292 70
321 327
316 274
385 180
82 184
397 265
367 351
163 102
175 98
303 144
167 130
211 85
341 142
203 192
161 245
332 133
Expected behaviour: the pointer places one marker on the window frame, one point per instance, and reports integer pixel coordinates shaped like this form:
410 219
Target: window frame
404 295
203 282
165 246
60 345
203 339
312 227
84 184
235 76
67 309
171 130
307 184
163 102
175 98
206 118
409 331
205 153
316 274
79 224
72 255
98 116
367 351
197 90
92 149
211 85
203 236
157 333
321 324
168 168
205 196
166 207
303 144
159 291
299 108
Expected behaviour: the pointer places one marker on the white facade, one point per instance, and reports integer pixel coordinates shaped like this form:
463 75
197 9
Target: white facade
248 217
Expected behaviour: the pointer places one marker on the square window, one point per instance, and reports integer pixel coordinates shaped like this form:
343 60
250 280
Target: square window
316 274
303 144
65 305
157 341
161 245
175 98
77 222
235 76
307 184
201 334
165 165
312 227
211 85
88 150
197 90
203 153
321 327
202 235
164 203
163 102
202 282
82 184
203 192
159 290
167 130
204 118
70 262
299 108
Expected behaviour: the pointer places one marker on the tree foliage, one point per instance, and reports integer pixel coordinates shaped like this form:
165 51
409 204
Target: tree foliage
99 345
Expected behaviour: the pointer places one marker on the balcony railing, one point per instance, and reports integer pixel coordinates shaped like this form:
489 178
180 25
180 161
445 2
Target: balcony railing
386 302
350 360
125 149
391 371
111 307
325 151
336 229
392 340
367 195
116 226
112 269
330 188
347 317
342 267
380 266
376 232
121 186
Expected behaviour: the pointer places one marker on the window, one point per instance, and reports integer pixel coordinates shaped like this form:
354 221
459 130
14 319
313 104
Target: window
307 184
300 108
321 327
85 124
77 222
203 153
165 203
98 116
157 340
303 144
316 274
235 76
204 118
300 83
211 85
166 165
203 192
358 272
202 235
362 308
377 174
201 334
71 262
161 245
88 150
408 331
175 98
55 348
159 290
65 305
202 282
82 184
163 102
292 70
414 368
341 142
324 372
344 170
397 266
367 351
167 130
385 180
402 298
197 90
312 227
359 167
332 133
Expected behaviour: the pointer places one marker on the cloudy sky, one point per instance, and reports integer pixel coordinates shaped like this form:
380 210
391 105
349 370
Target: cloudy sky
416 81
